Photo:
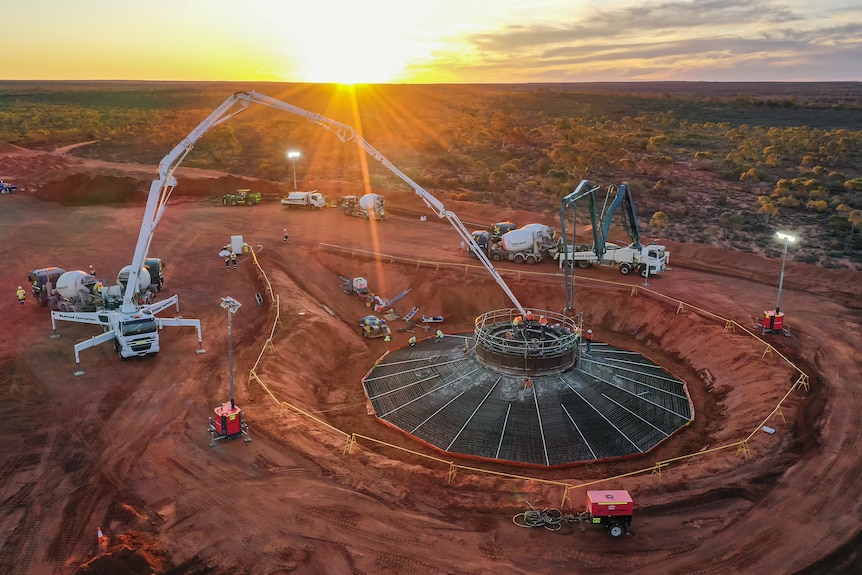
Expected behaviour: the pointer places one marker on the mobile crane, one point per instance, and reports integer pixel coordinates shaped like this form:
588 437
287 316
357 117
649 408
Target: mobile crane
134 326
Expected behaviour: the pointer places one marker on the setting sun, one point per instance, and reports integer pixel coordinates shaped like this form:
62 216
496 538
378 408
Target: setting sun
357 44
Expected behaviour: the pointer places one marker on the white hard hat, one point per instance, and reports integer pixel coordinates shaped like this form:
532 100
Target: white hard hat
589 331
19 287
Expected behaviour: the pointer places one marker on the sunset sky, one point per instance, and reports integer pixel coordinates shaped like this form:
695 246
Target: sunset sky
433 41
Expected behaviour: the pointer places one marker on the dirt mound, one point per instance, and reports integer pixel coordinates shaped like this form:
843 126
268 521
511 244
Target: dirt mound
131 553
6 148
84 190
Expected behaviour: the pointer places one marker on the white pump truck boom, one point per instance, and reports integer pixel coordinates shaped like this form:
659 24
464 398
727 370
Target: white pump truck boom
134 328
346 134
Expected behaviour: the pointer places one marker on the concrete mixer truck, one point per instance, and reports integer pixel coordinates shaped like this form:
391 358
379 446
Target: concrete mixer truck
530 244
77 290
60 290
369 206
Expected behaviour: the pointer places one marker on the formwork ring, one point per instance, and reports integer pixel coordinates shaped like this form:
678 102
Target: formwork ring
507 342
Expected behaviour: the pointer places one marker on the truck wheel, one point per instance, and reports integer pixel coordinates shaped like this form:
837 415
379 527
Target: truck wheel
625 269
583 264
233 202
617 530
519 258
496 257
644 273
531 259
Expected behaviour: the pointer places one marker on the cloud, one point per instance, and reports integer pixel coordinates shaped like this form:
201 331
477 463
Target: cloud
741 40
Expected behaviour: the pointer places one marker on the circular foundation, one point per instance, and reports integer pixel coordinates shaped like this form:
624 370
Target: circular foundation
527 399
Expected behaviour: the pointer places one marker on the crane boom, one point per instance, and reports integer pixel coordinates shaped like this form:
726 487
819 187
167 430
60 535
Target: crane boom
587 190
160 193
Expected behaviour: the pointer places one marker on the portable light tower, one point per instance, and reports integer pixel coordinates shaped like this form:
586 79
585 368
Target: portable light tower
292 156
773 320
228 421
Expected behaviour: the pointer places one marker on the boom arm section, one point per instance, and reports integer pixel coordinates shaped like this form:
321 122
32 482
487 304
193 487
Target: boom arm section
161 188
346 134
624 199
584 190
160 192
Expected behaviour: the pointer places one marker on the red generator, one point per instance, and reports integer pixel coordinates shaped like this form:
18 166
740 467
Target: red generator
227 424
773 321
613 509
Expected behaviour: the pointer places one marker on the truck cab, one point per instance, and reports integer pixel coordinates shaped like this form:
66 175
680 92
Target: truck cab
156 267
43 282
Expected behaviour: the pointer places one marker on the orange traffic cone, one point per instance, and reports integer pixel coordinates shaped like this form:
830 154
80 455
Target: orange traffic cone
100 536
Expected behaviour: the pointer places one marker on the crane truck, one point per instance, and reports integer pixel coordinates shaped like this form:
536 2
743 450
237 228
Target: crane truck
134 328
647 260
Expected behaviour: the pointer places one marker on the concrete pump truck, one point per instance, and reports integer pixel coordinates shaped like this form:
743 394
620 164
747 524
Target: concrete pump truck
133 326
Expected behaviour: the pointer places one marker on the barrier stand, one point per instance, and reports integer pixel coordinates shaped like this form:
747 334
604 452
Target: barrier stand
452 469
348 448
680 308
803 381
777 411
565 497
743 448
729 327
656 470
634 290
767 351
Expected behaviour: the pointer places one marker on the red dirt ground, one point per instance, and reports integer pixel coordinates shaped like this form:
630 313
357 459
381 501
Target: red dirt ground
125 448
